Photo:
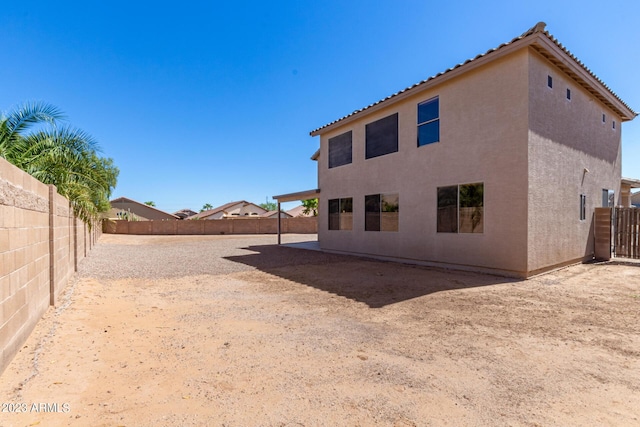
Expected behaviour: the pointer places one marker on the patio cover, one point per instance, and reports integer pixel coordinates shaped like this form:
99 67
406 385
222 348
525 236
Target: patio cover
292 197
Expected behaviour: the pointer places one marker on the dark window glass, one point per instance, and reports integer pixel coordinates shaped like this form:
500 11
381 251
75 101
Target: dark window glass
429 133
382 137
604 118
429 122
583 207
346 214
614 124
471 208
340 150
568 93
390 210
372 212
428 111
549 81
334 214
448 209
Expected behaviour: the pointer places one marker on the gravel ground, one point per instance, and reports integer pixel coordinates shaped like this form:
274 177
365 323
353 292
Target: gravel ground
235 331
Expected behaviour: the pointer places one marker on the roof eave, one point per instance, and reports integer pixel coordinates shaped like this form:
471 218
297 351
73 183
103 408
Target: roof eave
424 85
569 64
541 41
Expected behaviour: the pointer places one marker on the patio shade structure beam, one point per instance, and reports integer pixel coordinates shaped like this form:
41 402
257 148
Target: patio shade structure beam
292 197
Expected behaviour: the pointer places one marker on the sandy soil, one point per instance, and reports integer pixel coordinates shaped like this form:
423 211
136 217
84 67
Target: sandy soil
223 331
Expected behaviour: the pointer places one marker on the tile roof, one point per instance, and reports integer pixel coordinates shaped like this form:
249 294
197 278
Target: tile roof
539 28
144 205
220 208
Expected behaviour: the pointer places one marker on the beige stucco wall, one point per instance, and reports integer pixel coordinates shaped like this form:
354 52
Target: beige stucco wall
483 138
566 136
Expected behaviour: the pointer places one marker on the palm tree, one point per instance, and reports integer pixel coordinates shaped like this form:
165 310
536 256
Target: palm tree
59 155
17 121
206 207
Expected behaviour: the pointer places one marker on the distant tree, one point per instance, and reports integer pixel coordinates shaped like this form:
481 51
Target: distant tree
206 207
150 203
310 206
269 206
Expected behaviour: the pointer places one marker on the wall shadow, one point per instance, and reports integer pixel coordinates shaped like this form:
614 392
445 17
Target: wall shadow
372 282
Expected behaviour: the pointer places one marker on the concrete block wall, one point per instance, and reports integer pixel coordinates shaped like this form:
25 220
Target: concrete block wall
301 225
37 253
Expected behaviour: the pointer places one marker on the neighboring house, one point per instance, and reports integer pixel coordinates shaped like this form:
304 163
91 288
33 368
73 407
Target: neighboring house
626 186
241 208
274 214
184 213
493 165
124 208
635 199
298 211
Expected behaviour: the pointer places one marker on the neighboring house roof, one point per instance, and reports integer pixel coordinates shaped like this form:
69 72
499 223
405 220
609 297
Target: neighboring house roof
140 209
635 198
274 214
298 211
537 38
184 213
224 208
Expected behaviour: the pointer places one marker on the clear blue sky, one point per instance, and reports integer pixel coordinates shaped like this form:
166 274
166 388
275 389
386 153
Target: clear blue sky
208 102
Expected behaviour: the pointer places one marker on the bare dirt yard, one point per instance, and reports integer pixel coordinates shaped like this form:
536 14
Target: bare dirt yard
235 331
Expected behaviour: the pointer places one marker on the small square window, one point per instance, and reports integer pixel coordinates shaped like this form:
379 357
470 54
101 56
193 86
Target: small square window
550 81
569 94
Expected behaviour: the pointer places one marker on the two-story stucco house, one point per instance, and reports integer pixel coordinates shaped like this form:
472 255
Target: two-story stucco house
494 165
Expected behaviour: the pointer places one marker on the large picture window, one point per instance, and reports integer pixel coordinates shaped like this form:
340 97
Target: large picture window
340 150
381 137
429 122
341 214
461 209
381 212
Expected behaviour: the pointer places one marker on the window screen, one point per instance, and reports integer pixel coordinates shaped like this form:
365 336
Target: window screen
340 150
381 137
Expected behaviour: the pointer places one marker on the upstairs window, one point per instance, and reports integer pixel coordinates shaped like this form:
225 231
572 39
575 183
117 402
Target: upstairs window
569 94
550 81
381 137
429 122
340 150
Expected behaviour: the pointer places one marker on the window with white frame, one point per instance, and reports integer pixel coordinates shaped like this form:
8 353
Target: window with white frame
429 122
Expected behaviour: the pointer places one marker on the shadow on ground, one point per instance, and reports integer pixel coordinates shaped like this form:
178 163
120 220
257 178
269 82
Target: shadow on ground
375 283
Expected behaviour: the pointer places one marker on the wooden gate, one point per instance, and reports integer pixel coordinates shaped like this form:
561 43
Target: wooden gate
626 232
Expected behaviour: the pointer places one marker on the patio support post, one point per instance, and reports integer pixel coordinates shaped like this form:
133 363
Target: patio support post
279 229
